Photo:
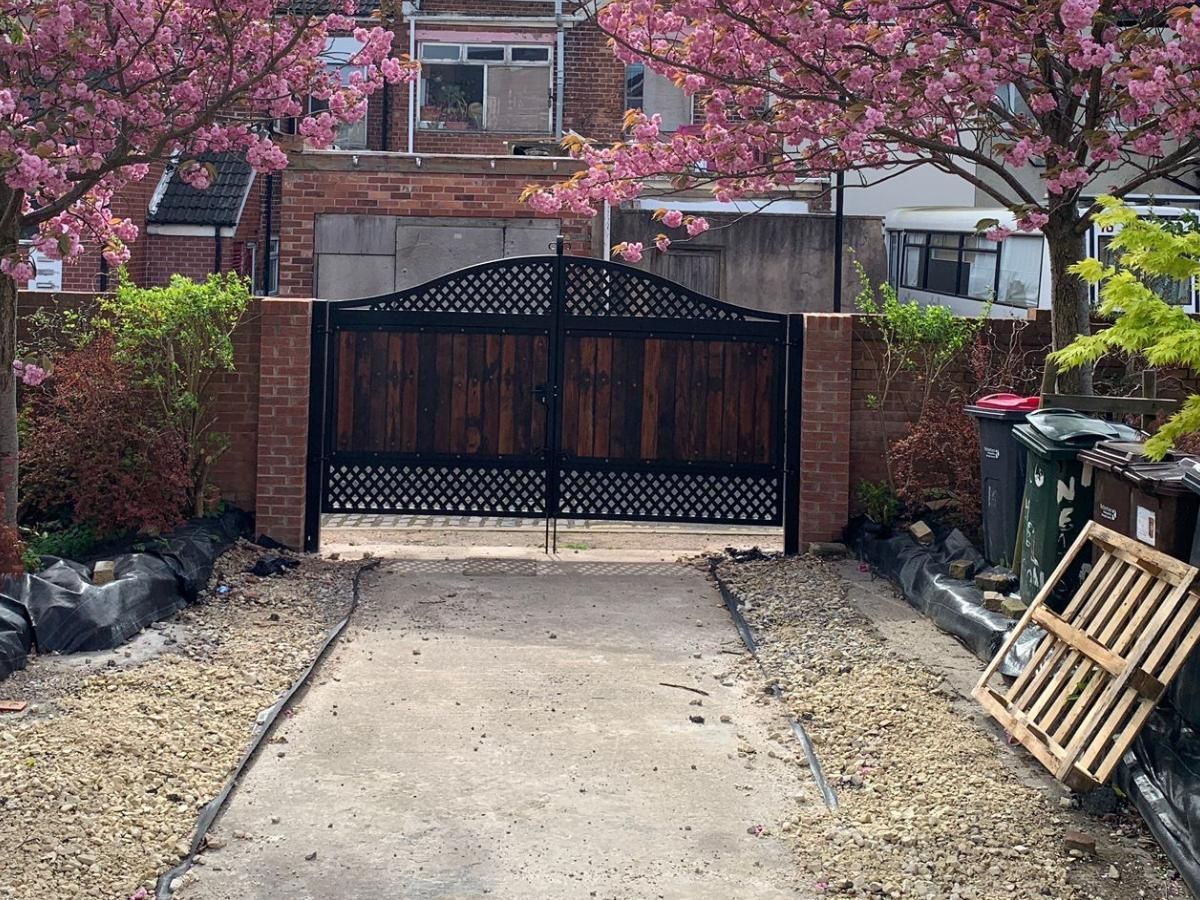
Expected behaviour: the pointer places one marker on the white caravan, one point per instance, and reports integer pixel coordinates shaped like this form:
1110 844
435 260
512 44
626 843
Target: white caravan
936 256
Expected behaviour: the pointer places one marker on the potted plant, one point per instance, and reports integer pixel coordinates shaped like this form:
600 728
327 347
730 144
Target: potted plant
454 107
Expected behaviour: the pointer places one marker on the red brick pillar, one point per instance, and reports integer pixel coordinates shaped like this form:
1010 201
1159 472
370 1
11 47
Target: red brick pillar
825 427
283 419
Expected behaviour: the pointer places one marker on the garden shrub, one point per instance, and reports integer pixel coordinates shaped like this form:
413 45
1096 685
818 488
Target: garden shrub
175 340
72 542
938 460
878 501
96 452
1144 325
918 347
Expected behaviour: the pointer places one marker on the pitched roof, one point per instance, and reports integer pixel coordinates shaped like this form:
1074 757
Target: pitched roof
177 203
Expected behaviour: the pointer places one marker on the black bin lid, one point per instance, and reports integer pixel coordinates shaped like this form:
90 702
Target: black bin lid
1159 478
1189 469
1114 456
1062 433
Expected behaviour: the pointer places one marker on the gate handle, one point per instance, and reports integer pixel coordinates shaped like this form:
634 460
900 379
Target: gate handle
542 393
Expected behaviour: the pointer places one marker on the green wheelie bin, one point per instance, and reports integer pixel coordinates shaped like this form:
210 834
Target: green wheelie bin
1058 494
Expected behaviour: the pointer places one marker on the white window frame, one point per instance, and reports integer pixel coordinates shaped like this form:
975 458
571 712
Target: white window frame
273 263
462 60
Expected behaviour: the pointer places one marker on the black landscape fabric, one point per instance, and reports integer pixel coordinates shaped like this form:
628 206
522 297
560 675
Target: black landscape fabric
60 609
922 573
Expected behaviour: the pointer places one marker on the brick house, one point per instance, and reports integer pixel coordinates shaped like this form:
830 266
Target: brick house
429 180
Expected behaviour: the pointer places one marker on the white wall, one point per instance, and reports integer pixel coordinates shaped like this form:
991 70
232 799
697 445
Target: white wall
922 186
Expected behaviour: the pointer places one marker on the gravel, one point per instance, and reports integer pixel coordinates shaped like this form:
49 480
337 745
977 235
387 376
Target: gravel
107 769
928 807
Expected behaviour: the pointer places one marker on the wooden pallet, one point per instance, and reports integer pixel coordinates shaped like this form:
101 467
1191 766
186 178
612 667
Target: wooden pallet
1094 678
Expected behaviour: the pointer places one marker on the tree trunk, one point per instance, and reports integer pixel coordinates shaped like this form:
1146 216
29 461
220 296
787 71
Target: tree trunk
1070 309
8 396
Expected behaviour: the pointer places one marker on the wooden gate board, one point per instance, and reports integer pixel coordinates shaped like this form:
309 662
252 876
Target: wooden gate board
673 404
558 387
1096 675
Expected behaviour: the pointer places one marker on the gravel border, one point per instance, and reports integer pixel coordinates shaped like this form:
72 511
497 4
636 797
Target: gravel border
118 753
932 805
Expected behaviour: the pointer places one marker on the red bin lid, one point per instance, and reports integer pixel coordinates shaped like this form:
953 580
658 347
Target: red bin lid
1009 402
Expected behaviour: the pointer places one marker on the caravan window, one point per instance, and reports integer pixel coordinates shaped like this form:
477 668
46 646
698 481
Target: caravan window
1020 271
958 265
913 265
894 258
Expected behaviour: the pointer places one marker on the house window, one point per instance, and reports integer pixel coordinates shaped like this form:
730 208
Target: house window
486 87
272 285
1021 270
339 53
957 265
635 85
652 93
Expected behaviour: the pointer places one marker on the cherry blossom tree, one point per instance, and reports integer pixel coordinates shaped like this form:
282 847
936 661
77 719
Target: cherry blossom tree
93 92
1035 103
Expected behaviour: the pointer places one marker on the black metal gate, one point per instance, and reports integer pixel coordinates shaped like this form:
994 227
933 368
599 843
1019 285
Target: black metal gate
555 387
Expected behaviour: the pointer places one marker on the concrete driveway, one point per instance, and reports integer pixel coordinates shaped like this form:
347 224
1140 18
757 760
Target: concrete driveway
499 728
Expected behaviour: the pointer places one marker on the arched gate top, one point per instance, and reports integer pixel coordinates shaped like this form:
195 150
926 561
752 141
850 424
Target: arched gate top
527 285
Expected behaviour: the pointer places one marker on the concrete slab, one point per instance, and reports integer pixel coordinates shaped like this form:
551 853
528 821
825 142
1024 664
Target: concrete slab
499 727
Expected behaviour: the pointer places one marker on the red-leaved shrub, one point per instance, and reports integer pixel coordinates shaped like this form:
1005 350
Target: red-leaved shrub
938 460
96 450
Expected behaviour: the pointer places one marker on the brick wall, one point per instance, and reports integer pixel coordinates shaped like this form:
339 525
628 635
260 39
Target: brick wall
194 257
236 405
825 439
85 273
319 184
263 407
594 96
283 396
874 426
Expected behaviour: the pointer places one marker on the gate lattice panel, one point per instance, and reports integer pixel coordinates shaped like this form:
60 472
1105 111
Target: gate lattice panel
558 387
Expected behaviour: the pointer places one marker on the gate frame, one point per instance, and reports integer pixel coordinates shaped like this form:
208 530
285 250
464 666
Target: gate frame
321 376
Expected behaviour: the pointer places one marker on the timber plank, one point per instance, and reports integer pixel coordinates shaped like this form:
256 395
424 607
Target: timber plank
506 411
714 400
344 390
602 397
652 348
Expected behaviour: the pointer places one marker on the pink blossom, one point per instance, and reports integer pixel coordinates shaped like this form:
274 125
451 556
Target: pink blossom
1077 14
33 375
630 252
1033 220
17 268
696 225
673 218
662 243
74 137
879 84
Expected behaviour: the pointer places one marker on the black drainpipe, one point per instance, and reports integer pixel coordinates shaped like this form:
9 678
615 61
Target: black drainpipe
387 117
217 249
269 191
